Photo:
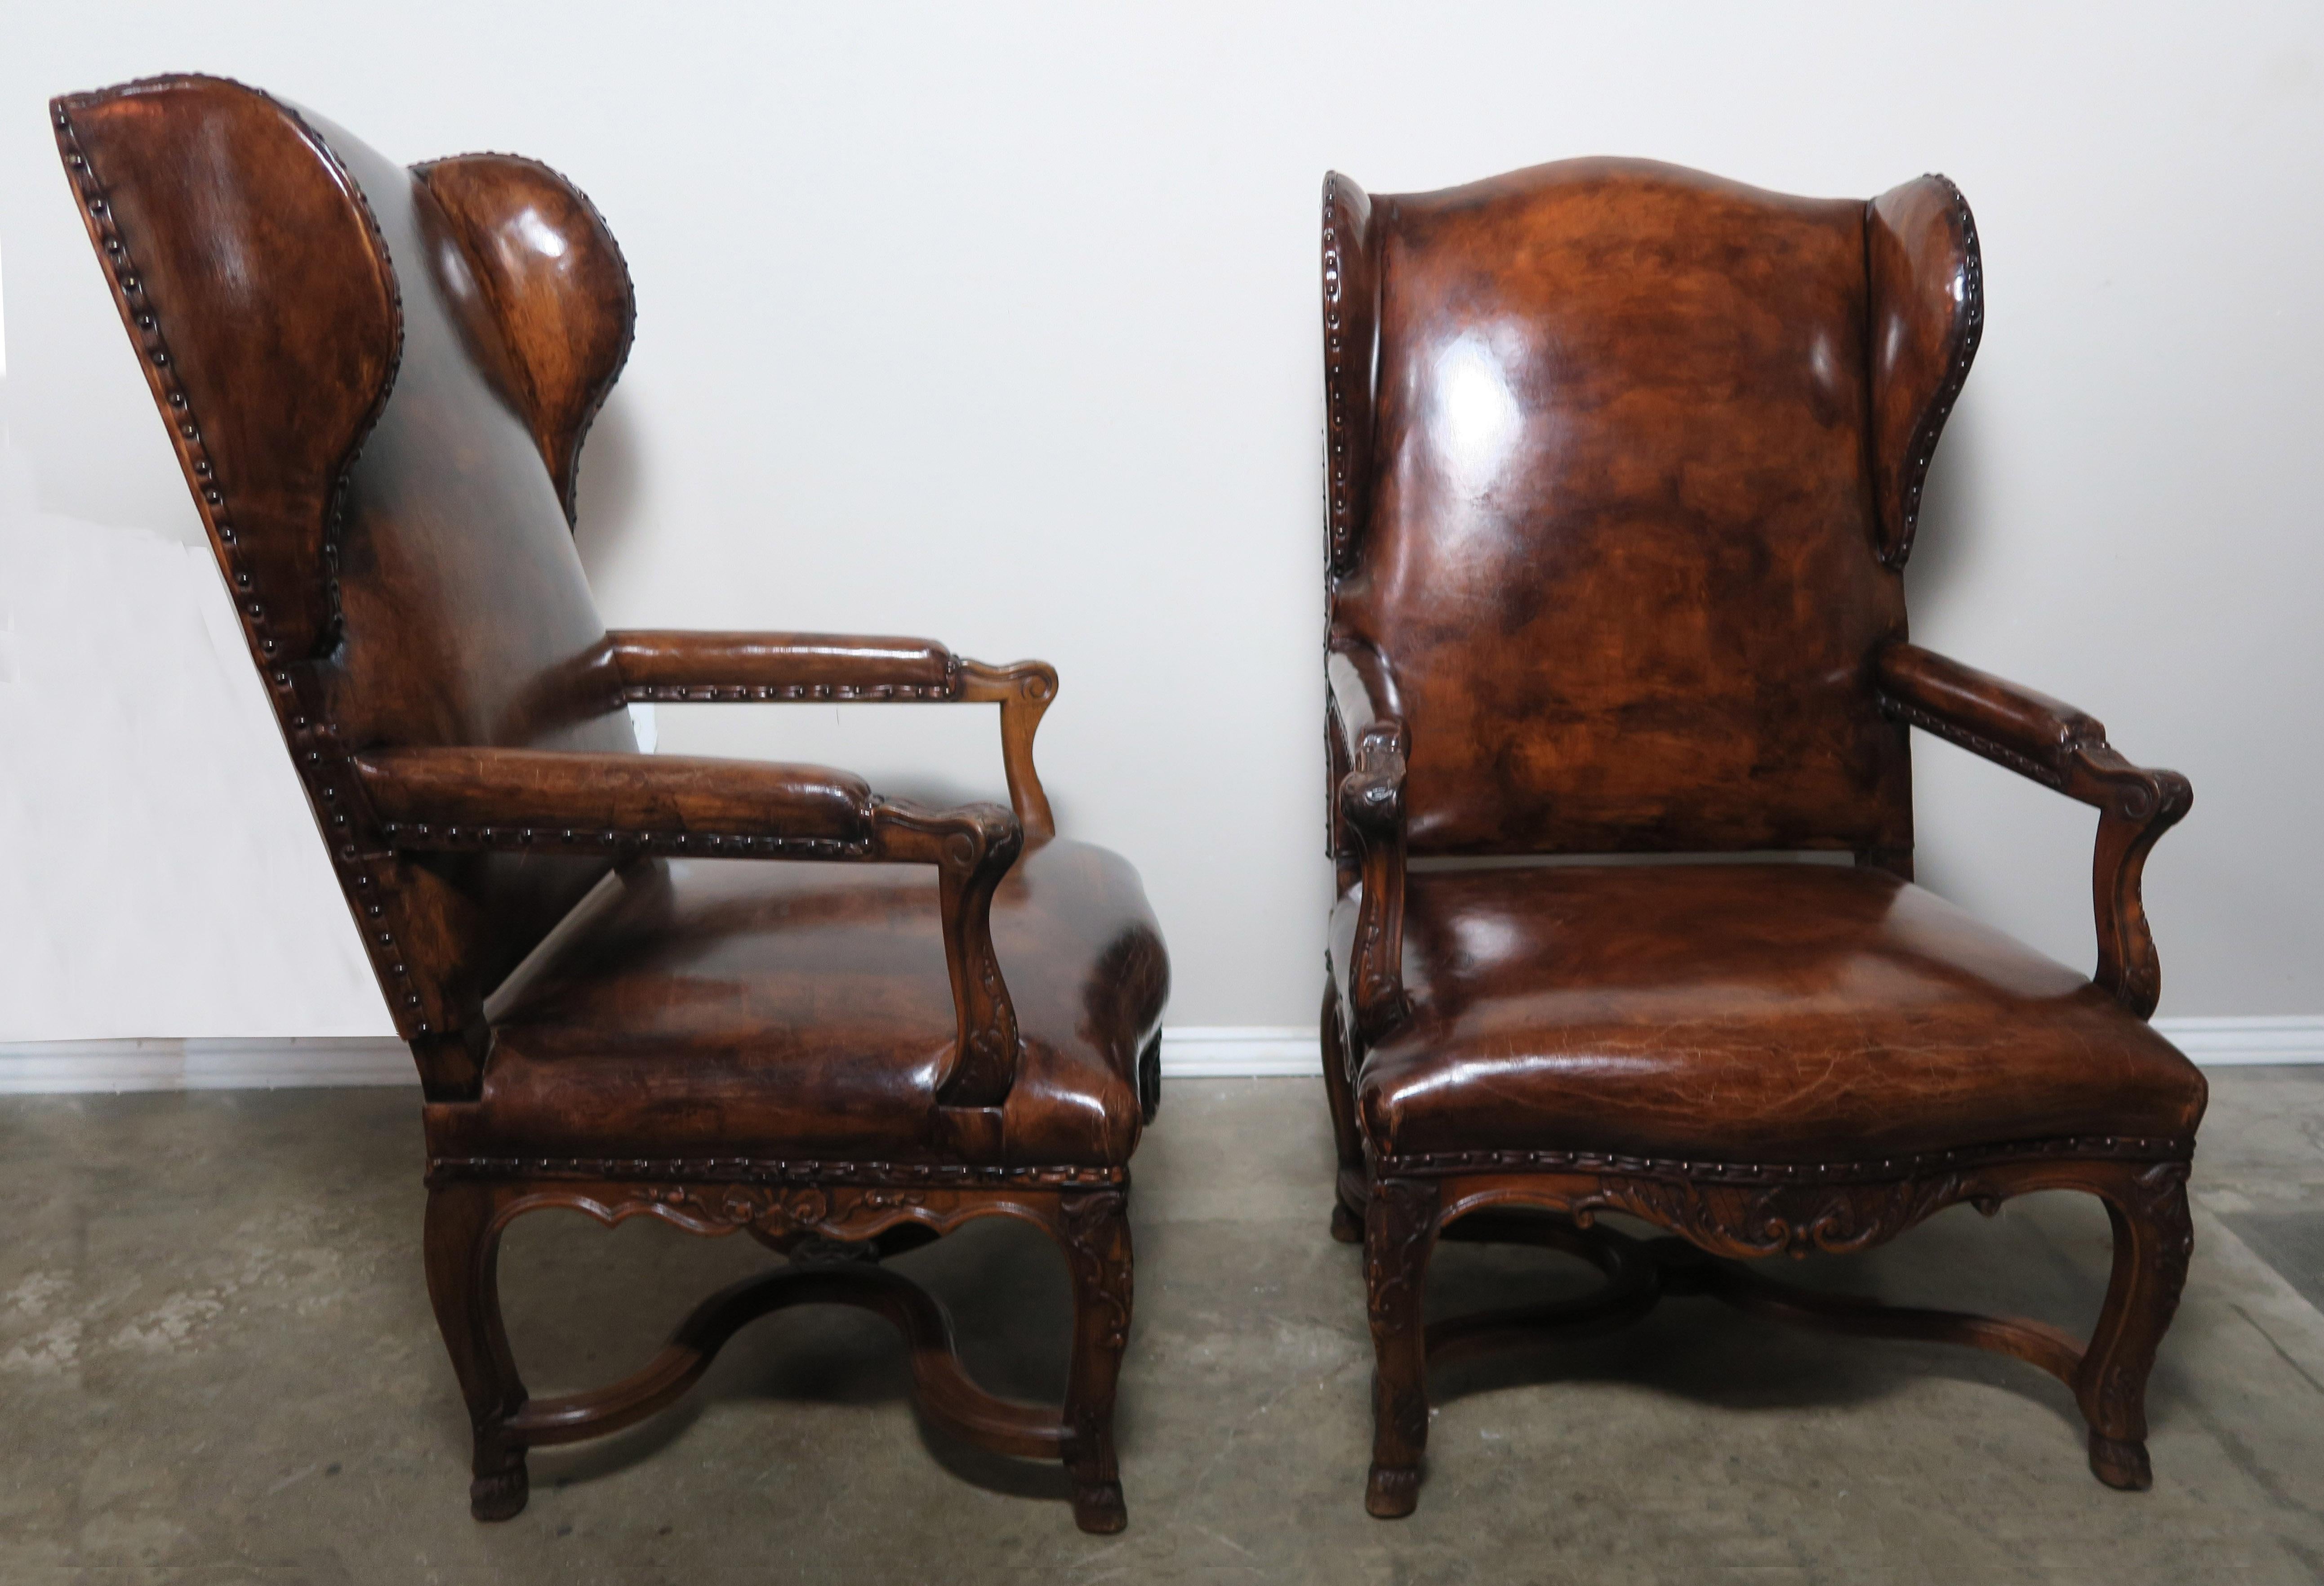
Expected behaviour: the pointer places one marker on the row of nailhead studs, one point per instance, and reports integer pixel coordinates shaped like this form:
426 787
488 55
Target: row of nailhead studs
751 1170
424 835
1969 332
1974 742
2126 1145
187 432
1336 404
680 693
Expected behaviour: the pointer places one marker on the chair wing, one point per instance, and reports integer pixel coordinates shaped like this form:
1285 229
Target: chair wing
222 217
1928 311
559 287
358 432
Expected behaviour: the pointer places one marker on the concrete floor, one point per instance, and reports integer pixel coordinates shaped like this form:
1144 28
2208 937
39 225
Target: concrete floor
217 1364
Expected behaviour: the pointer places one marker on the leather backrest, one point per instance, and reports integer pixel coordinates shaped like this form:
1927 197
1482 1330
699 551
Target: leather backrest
381 451
1608 508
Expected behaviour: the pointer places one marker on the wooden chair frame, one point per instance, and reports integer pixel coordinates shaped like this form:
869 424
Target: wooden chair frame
1724 1214
271 434
835 1221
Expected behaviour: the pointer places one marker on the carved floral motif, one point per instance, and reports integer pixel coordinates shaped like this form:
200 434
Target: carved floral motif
1785 1219
1093 1230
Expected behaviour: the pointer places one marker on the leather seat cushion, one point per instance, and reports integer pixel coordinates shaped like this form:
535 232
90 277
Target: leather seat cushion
1742 1013
787 1011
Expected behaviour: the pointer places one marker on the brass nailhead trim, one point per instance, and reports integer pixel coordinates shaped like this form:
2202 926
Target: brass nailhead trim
1338 516
425 834
1969 329
704 694
760 1170
1439 1163
129 284
1975 742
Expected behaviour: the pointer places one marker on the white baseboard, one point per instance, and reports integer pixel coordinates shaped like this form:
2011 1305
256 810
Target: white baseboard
1235 1051
2235 1043
1188 1052
1267 1051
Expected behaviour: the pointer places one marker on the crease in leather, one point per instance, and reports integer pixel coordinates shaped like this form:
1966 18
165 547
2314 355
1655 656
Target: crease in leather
1746 1013
733 1008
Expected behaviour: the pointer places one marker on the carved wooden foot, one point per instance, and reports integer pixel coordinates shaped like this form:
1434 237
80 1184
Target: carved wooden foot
1391 1494
2120 1464
1095 1228
501 1485
1399 1233
2153 1239
1347 1226
463 1254
1099 1508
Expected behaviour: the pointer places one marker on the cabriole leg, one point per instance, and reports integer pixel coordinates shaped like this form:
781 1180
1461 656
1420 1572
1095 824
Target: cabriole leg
1399 1233
2153 1239
1095 1228
463 1255
1338 1092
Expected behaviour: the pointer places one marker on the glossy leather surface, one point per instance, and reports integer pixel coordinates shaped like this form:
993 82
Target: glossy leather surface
468 620
731 1007
1623 463
1743 1013
664 793
675 665
218 212
726 994
559 287
1928 313
361 442
378 380
1617 538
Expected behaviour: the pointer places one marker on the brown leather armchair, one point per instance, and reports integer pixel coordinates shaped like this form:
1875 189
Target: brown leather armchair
378 381
1624 463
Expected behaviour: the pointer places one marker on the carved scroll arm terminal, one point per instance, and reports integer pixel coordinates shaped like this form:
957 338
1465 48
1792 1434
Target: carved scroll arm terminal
710 667
548 801
2066 749
1369 743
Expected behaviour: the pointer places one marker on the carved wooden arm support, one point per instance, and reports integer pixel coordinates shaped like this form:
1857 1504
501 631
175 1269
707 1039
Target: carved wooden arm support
708 667
1369 805
546 801
2066 749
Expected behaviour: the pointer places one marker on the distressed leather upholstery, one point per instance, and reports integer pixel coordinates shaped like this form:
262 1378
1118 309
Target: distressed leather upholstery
1794 1013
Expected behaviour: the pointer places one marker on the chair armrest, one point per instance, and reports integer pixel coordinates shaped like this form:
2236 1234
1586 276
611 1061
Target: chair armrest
707 668
1368 805
1365 705
553 801
2066 749
2031 732
659 665
546 801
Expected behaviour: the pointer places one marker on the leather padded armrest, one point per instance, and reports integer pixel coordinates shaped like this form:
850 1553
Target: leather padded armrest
463 797
675 665
703 668
544 800
1967 700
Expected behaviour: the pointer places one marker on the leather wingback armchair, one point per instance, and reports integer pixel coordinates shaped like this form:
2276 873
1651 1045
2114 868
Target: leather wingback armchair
619 996
1624 463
